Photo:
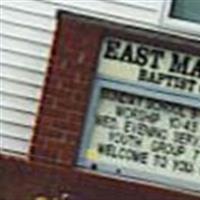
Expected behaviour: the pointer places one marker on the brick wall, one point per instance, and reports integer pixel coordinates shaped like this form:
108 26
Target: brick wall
51 169
66 92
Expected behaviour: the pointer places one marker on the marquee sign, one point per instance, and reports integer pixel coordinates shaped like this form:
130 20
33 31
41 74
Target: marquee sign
146 121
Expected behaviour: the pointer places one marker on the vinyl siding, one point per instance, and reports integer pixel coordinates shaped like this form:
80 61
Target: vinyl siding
25 41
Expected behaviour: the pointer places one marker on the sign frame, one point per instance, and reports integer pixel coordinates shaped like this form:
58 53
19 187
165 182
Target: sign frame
148 37
128 174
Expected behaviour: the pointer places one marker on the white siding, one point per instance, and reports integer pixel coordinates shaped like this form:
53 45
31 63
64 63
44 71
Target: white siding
153 5
15 30
25 41
16 59
24 17
112 11
26 32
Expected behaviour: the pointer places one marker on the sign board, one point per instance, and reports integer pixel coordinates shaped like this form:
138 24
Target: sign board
151 136
130 61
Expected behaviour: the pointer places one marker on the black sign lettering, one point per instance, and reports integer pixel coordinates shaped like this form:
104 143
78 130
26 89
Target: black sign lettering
106 121
112 49
142 58
157 55
183 166
180 64
196 69
123 153
160 161
167 148
127 55
196 154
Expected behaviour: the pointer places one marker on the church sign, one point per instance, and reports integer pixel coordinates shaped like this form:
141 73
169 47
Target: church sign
144 118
